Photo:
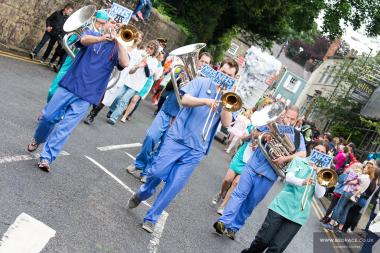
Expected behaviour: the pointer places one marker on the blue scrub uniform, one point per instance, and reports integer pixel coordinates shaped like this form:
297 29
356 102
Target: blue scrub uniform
155 133
84 84
255 182
182 150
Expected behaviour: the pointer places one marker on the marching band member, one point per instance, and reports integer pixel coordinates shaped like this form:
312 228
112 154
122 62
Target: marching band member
84 84
138 75
100 19
256 180
184 147
285 217
112 93
159 126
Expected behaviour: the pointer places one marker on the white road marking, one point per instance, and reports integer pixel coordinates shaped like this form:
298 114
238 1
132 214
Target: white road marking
160 225
113 147
131 156
17 158
26 234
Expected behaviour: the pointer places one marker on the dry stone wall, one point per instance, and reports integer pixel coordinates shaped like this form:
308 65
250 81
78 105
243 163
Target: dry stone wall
22 22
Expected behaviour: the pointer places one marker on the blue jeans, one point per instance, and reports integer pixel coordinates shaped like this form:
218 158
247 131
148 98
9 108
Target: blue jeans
174 165
249 192
370 240
121 102
342 207
371 217
152 142
145 6
59 118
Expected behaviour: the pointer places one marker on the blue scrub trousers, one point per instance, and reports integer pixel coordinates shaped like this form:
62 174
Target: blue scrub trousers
153 137
59 118
121 102
174 165
249 192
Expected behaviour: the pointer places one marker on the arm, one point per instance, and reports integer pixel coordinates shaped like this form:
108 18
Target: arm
87 40
190 101
49 20
319 191
123 55
141 64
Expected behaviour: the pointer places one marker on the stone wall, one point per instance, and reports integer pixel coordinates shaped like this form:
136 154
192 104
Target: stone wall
22 22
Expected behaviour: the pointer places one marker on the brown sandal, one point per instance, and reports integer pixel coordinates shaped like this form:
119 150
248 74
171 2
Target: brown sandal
44 165
32 146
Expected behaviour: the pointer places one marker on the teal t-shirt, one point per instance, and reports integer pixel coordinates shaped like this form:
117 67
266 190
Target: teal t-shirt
288 202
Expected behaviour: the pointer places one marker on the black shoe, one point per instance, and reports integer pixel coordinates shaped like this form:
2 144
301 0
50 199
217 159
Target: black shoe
219 227
109 114
325 220
111 122
89 119
230 234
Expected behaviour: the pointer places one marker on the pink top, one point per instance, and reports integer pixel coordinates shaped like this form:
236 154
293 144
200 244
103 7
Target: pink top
340 159
240 126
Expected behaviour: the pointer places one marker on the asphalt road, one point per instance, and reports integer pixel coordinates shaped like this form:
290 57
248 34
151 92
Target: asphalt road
85 205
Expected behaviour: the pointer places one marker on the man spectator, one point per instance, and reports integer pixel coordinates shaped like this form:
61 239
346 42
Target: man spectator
54 31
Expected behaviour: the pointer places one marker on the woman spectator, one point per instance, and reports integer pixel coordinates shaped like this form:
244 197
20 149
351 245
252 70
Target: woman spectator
238 129
355 211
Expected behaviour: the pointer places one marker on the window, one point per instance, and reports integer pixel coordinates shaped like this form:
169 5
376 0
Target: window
292 84
233 49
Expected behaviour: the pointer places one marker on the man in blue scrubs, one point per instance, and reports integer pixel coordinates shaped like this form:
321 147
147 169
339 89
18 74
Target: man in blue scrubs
255 182
84 84
184 147
164 118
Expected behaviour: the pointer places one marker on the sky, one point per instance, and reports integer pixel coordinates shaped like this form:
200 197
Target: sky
357 39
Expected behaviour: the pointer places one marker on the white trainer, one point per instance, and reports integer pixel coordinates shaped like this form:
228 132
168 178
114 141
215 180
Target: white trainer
220 210
131 169
148 226
216 199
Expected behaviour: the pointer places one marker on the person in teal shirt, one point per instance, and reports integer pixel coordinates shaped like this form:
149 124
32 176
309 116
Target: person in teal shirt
285 216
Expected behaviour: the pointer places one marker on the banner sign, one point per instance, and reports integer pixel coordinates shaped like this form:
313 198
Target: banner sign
283 129
320 159
218 77
120 13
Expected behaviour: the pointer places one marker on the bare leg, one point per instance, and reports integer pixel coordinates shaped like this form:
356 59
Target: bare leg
234 140
130 107
228 178
230 190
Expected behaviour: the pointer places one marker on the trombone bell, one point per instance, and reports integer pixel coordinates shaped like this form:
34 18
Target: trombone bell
127 35
231 102
327 178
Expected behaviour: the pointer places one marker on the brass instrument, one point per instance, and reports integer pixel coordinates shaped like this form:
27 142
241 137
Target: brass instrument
230 101
326 177
188 57
75 25
278 144
126 36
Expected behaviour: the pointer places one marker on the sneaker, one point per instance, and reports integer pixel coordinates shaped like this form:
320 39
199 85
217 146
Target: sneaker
131 169
123 119
32 55
325 220
133 202
44 165
33 146
89 119
230 234
42 61
109 114
219 227
148 226
220 210
55 68
329 227
135 18
110 121
217 199
143 179
350 231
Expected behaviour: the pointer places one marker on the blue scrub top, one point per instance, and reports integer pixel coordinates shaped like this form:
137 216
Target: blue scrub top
260 164
170 105
88 77
187 128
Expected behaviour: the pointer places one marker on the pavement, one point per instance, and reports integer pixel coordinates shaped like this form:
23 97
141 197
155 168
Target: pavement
84 198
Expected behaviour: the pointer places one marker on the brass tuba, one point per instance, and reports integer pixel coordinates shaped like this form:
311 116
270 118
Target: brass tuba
188 57
75 25
279 144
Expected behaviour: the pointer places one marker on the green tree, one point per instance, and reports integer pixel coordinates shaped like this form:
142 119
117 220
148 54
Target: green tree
265 21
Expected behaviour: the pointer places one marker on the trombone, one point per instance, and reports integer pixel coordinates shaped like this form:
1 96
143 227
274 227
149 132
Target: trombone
230 102
326 177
